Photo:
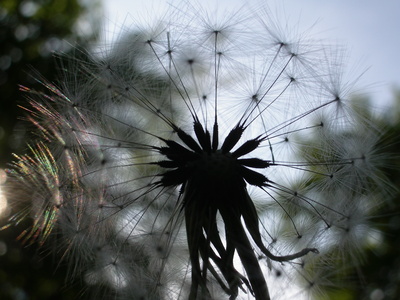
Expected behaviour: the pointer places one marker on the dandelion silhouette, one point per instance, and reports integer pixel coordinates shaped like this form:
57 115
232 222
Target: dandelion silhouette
199 159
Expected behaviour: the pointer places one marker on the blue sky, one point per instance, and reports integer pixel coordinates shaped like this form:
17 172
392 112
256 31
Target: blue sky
369 30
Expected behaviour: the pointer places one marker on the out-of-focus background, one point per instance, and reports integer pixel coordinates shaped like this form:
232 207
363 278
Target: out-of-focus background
31 30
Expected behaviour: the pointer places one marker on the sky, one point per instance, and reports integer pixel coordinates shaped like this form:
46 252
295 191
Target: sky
368 29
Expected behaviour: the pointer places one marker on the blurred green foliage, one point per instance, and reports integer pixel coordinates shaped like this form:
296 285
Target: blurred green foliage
30 31
378 277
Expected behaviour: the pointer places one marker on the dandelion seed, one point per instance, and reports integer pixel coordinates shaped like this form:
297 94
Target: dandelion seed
204 159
